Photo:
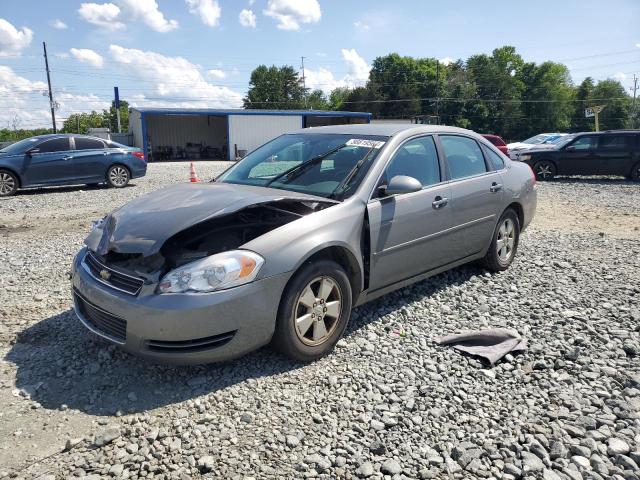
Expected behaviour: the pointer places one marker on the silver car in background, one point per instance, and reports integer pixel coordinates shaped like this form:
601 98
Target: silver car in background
286 242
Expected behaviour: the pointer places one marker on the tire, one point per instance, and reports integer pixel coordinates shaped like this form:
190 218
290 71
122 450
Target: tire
311 338
118 176
635 173
8 183
500 254
544 170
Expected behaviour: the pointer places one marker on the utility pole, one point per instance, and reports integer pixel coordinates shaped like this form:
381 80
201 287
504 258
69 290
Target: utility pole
634 114
438 91
53 112
304 83
116 103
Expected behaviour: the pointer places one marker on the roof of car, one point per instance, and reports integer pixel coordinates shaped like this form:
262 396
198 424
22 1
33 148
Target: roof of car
383 129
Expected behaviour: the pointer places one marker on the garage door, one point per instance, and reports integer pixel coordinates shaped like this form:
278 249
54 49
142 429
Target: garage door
248 132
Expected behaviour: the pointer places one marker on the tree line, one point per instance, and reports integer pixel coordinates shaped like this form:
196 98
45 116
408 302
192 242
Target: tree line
499 93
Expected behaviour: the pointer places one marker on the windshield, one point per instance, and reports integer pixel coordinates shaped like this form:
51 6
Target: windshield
563 141
327 165
21 146
536 140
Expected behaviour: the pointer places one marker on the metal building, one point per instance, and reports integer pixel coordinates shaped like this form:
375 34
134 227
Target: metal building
208 134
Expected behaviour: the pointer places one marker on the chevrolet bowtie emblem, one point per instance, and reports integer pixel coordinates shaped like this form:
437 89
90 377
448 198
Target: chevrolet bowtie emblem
105 275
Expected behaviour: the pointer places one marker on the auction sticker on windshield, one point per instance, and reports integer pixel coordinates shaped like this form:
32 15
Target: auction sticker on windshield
362 142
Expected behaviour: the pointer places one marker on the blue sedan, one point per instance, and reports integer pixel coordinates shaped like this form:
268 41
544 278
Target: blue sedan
59 159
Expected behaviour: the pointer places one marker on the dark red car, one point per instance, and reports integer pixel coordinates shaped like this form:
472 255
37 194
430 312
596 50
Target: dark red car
498 142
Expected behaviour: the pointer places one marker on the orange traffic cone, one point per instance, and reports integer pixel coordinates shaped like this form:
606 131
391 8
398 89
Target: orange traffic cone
193 176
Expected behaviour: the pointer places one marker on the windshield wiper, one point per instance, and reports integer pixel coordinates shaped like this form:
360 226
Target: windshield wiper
302 167
350 176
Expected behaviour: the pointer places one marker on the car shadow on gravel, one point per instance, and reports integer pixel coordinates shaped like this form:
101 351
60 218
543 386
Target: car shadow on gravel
60 365
65 189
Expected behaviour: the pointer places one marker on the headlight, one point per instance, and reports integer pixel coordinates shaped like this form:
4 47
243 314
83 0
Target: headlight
524 157
217 272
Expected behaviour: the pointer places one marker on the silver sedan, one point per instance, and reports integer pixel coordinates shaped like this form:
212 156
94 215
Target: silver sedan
287 241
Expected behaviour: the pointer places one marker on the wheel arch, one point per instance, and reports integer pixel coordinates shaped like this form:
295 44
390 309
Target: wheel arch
14 172
118 164
516 207
343 257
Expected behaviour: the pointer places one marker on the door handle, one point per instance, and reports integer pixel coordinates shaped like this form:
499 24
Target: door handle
439 202
495 187
67 157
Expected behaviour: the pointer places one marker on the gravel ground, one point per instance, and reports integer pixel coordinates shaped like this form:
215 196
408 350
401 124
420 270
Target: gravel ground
387 403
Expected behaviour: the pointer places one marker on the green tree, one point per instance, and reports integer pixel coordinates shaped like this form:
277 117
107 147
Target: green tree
617 104
337 97
112 119
275 87
317 100
584 92
82 122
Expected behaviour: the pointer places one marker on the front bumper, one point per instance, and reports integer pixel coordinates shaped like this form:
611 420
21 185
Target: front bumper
178 328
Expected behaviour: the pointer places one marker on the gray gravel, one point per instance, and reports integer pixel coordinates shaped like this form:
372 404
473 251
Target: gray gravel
387 403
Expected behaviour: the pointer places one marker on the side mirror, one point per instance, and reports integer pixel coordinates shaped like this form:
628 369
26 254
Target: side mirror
31 151
401 184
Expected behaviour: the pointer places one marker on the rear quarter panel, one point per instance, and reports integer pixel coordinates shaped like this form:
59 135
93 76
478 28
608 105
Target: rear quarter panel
520 187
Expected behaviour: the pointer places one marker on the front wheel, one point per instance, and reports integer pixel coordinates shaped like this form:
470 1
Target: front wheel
544 170
118 176
314 311
8 183
504 244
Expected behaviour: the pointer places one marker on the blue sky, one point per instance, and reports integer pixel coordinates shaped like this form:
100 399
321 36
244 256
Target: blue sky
201 52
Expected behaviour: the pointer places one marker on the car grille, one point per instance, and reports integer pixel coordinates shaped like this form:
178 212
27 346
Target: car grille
112 278
186 346
102 321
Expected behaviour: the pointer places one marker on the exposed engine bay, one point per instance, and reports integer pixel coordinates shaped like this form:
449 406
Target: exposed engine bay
216 235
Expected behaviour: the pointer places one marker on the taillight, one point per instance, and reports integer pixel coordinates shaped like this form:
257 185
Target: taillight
140 155
533 175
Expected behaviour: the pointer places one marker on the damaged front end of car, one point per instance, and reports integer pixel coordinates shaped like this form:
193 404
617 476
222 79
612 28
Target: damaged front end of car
203 256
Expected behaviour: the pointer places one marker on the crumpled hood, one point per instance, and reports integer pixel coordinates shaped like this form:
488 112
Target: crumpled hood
144 224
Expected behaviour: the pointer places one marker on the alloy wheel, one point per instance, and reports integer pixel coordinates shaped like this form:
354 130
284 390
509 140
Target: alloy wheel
506 240
7 183
118 176
544 171
317 311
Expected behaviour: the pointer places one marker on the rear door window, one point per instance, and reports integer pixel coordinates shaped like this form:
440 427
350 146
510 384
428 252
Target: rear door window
463 156
55 145
496 160
83 143
615 142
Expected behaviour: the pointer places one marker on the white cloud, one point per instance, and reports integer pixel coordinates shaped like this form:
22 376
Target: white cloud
446 60
209 11
216 73
149 13
110 16
17 96
247 18
620 76
30 107
12 40
291 13
58 24
103 15
325 80
85 55
62 55
638 45
174 79
361 25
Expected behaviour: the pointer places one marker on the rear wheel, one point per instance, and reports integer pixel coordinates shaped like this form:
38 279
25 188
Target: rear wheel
314 311
8 183
504 244
544 170
118 176
635 173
